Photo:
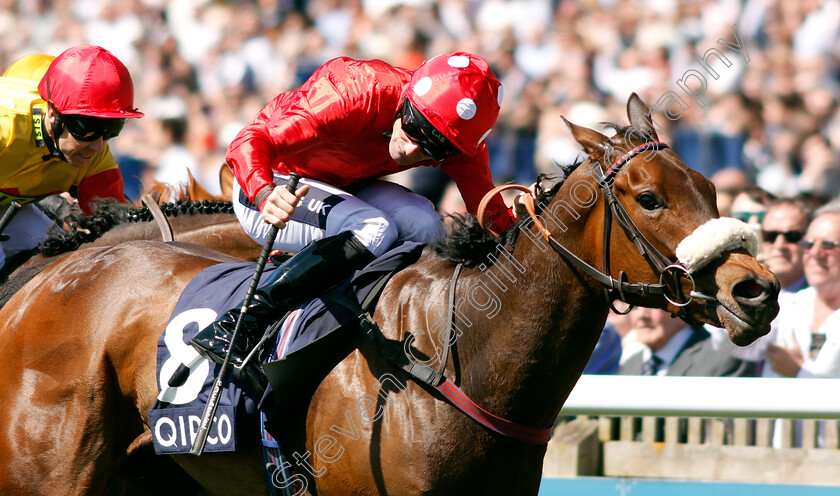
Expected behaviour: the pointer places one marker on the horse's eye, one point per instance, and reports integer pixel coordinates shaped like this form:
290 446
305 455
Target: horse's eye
649 201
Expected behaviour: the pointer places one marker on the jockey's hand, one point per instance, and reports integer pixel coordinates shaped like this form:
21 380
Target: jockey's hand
281 204
518 207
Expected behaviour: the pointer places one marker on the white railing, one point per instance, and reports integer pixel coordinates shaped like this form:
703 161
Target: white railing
757 397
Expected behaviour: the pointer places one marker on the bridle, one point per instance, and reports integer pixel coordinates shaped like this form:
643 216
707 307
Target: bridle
617 289
613 289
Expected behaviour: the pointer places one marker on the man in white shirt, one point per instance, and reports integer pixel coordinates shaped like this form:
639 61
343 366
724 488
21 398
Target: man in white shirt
804 340
807 329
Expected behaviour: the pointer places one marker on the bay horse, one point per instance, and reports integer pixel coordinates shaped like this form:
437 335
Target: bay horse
76 391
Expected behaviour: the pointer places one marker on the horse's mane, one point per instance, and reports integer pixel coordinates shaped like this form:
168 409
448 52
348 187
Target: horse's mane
468 243
109 213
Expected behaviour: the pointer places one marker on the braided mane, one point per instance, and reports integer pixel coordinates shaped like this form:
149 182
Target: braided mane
109 213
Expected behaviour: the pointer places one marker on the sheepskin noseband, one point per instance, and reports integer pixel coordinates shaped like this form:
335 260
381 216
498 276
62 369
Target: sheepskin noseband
713 239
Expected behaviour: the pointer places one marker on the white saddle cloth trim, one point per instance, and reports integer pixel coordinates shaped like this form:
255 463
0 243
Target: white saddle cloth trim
713 239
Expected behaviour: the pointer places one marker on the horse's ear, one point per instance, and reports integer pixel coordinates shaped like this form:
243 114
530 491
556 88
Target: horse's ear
592 141
196 191
226 180
639 115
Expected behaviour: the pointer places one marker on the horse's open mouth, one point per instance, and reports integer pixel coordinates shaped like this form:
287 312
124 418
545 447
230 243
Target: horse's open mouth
742 329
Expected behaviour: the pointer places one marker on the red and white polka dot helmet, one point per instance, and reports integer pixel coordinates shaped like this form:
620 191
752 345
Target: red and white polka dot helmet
459 95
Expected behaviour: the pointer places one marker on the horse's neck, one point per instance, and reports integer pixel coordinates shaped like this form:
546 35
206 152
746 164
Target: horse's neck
530 324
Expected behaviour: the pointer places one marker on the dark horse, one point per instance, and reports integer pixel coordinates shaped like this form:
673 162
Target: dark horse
76 391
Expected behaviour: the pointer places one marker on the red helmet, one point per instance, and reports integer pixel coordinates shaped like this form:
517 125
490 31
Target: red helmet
89 80
459 95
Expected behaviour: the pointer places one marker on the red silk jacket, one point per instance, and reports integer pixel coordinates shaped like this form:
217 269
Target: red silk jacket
332 129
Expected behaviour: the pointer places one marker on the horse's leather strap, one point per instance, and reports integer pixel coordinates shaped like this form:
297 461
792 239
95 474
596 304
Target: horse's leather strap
393 351
495 423
162 222
447 342
528 201
605 279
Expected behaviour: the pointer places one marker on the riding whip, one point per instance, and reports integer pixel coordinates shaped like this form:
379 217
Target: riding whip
218 384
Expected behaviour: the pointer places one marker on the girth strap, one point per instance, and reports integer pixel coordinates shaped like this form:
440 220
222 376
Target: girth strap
450 314
394 351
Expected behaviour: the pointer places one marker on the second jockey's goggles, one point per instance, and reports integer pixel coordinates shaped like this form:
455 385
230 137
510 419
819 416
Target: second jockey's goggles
420 131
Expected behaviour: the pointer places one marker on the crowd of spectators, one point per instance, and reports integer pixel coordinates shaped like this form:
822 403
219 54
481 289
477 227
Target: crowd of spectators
771 113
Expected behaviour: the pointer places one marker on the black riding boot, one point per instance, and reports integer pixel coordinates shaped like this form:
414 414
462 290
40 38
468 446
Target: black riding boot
319 266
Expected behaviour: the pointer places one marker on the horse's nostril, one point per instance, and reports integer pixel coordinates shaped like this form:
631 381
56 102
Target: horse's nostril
751 290
748 289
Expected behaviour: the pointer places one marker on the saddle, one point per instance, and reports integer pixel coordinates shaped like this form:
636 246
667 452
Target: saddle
311 346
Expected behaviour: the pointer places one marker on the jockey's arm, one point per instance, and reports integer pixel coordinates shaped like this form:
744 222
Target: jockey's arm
250 156
105 184
472 176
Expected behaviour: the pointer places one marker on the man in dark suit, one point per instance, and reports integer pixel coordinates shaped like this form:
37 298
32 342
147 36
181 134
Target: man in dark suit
662 345
659 344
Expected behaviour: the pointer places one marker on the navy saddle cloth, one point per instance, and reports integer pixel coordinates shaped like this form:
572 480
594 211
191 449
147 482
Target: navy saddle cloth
175 417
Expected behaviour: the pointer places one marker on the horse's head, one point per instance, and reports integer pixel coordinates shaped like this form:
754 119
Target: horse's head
665 232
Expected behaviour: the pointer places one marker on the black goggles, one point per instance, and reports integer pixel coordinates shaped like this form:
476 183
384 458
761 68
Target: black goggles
86 128
420 131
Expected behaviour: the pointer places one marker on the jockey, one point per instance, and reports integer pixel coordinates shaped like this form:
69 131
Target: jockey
55 121
351 123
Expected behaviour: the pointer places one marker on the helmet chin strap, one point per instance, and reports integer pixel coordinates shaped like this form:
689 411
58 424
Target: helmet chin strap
57 128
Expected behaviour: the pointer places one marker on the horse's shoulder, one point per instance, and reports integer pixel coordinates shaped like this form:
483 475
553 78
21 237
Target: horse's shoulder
419 282
167 254
429 265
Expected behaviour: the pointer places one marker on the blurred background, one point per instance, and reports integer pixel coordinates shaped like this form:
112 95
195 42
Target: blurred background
203 68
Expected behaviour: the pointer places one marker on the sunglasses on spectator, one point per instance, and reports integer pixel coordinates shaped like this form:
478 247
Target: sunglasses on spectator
424 135
789 236
823 245
746 216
